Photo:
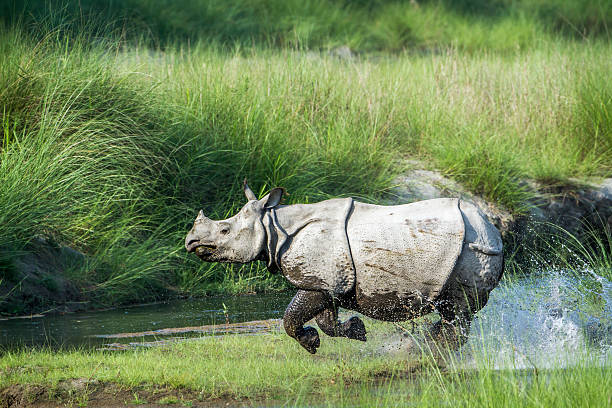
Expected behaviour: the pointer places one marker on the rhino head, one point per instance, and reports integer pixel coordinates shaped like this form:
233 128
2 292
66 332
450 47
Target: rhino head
241 238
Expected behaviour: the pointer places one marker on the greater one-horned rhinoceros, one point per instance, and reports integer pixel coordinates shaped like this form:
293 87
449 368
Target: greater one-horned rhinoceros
390 263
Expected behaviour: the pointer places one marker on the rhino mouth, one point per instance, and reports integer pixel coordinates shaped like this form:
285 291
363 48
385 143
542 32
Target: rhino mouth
205 250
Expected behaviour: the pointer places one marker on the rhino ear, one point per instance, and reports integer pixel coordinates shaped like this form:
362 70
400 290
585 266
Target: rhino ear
273 198
247 191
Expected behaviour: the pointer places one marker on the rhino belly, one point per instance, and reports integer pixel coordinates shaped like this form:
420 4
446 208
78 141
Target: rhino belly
403 255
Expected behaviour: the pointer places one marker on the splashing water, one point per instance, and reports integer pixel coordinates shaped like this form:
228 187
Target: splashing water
549 319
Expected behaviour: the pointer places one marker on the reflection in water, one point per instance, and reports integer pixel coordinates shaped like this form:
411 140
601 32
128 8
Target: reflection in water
83 329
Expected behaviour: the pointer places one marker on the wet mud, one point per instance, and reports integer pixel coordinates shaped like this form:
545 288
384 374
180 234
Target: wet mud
95 394
252 328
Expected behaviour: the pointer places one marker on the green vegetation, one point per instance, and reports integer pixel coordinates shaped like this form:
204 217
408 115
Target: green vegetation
365 25
112 139
273 367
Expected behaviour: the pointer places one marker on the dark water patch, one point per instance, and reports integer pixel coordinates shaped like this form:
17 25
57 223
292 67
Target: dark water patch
146 324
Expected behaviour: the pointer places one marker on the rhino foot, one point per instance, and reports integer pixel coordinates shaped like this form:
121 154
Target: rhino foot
449 334
309 339
355 329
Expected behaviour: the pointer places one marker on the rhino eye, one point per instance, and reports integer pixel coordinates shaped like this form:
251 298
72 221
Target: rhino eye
224 230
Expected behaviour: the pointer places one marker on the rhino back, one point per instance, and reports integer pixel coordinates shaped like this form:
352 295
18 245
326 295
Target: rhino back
406 251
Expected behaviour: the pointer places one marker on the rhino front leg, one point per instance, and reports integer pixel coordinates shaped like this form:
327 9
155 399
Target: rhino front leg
352 328
305 305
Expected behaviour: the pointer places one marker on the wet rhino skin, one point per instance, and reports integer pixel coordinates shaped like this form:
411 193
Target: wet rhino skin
404 254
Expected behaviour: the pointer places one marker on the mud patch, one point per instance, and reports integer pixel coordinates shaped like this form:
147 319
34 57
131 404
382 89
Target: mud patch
35 279
92 393
253 327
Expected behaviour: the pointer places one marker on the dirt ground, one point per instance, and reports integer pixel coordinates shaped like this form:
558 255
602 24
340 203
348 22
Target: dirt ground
93 394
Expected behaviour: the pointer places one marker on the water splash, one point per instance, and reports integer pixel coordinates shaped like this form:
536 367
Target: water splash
545 320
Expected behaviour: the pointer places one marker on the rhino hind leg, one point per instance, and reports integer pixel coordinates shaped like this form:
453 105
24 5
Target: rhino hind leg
477 271
352 328
456 314
466 293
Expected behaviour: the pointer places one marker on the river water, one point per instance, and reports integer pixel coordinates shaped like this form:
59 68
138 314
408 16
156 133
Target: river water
91 328
548 319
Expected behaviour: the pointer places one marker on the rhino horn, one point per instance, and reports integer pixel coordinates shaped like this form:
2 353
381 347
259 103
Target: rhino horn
248 192
201 216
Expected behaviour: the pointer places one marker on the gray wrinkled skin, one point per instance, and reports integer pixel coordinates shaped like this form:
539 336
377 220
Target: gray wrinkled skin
390 263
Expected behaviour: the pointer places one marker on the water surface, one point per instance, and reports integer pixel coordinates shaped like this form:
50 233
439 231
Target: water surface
85 329
545 320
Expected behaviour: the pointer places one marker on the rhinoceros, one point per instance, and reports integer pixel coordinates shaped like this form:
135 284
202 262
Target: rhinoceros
390 263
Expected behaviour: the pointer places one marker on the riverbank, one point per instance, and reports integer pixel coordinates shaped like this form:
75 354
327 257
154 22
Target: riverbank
110 145
273 370
543 339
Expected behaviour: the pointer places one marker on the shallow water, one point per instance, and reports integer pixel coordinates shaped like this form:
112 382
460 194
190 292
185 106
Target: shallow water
87 329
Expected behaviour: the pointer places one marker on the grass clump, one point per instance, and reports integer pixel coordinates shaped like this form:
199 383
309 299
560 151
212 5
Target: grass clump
75 164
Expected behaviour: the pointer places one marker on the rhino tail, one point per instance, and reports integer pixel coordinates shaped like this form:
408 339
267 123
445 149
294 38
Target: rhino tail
487 250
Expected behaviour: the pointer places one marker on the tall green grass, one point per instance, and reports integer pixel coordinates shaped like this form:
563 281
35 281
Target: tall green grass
110 147
383 25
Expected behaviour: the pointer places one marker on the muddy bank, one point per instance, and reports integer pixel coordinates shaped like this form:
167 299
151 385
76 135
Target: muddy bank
96 394
252 327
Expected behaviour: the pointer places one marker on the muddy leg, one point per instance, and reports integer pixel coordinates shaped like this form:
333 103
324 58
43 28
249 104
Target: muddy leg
475 275
353 328
304 306
457 313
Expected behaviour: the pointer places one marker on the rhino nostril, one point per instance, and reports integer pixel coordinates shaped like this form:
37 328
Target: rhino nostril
193 241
